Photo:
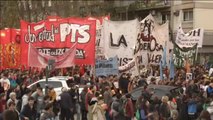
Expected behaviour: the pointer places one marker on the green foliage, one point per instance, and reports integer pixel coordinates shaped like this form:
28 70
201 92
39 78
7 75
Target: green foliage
33 10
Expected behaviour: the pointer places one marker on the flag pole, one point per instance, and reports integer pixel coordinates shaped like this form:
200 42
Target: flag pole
196 55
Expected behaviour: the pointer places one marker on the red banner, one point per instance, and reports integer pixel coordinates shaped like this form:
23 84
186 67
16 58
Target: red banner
10 49
40 60
56 37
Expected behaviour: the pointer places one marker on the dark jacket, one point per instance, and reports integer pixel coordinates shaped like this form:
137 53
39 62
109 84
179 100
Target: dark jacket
28 112
83 100
164 110
66 101
46 116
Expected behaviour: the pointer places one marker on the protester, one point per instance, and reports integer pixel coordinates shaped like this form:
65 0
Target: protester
12 99
12 107
26 97
66 105
164 108
39 100
47 113
51 94
10 115
128 108
116 108
190 103
2 103
5 82
90 94
96 112
204 115
83 103
29 111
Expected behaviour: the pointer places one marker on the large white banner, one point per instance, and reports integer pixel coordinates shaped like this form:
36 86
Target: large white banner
151 42
189 39
119 39
99 50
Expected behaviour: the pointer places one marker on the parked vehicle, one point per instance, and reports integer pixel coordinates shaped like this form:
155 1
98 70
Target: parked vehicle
157 91
57 82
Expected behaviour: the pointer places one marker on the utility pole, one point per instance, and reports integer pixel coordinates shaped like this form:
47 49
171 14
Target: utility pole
49 67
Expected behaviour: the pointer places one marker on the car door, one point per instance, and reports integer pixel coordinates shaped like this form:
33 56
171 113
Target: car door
57 85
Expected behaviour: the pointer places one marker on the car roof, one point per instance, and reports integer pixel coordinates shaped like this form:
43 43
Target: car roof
159 90
163 87
56 78
60 78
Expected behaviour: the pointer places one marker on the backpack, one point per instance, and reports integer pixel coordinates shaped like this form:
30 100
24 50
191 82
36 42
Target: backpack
122 105
192 108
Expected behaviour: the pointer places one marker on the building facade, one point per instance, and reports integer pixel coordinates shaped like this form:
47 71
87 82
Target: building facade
190 14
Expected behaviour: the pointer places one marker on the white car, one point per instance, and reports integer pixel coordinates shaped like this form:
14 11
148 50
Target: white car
56 82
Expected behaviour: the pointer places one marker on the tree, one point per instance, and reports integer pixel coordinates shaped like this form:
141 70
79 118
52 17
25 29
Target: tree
33 10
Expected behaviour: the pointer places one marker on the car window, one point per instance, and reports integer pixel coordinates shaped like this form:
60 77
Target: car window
136 94
55 84
40 83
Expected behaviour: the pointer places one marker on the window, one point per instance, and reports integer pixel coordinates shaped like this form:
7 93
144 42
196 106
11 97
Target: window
165 17
42 84
55 84
188 15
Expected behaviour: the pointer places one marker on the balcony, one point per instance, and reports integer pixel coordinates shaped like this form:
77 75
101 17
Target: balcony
154 4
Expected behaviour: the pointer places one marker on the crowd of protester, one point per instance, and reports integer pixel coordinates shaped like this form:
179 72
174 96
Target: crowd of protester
106 97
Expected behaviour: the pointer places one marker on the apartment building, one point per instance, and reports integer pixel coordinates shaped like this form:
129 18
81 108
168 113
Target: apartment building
189 13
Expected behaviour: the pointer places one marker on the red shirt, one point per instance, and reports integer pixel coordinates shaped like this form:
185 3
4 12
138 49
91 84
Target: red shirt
2 105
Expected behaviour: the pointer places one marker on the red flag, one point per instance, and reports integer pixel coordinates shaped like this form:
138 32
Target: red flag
10 48
36 59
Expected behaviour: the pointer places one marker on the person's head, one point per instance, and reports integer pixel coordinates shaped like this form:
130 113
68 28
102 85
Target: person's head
118 95
31 101
13 95
48 107
9 115
85 89
51 89
28 92
18 88
64 89
92 88
39 91
128 95
174 114
93 101
46 99
204 115
165 99
107 88
11 105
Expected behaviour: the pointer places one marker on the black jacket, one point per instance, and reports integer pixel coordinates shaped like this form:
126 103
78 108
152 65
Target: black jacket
28 112
66 101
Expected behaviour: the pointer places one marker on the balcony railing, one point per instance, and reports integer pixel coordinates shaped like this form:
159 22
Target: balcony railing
152 4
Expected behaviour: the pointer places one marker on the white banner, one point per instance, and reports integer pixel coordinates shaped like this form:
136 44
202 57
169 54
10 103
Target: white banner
189 39
99 51
150 43
119 39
